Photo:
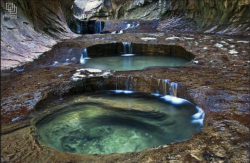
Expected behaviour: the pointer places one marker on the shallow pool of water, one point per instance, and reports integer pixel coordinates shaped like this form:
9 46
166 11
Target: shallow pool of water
116 122
136 62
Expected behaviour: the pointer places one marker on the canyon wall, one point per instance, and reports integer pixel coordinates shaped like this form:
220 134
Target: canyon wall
38 26
42 23
223 17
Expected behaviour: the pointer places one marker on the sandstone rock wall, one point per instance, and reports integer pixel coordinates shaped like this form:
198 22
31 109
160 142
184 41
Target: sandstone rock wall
42 23
224 17
38 26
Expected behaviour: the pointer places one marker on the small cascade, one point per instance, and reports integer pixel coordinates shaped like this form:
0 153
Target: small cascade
165 84
173 89
129 83
125 83
127 48
162 86
166 88
62 88
78 29
158 86
117 82
86 26
98 27
84 56
82 60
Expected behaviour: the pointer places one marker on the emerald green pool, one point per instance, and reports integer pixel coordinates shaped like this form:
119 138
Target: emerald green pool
130 62
117 122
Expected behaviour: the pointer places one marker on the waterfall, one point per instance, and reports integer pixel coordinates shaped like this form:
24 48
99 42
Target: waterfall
84 56
82 60
129 83
98 27
167 88
162 85
165 83
124 83
173 89
158 86
127 48
78 28
117 82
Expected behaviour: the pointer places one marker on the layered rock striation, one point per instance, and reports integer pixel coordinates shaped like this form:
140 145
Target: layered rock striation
40 24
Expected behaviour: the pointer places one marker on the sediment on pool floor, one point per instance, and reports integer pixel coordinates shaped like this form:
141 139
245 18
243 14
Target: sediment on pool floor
109 110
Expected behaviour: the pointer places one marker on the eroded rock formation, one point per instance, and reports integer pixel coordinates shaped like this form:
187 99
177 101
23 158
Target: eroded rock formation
41 24
230 16
217 79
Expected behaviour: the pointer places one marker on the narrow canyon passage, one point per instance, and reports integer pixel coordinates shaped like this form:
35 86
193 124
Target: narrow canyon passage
175 75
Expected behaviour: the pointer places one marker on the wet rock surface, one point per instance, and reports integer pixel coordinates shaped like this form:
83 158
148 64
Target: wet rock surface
39 25
209 16
217 80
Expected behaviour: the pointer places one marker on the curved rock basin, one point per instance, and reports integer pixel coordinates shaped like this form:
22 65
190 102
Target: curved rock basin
136 62
118 121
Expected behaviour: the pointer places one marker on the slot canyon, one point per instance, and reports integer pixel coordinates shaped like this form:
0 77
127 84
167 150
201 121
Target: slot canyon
115 81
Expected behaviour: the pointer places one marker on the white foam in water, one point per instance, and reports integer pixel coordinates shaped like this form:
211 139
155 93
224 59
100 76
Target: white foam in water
123 91
127 55
82 60
199 114
126 126
198 117
199 121
174 100
156 94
